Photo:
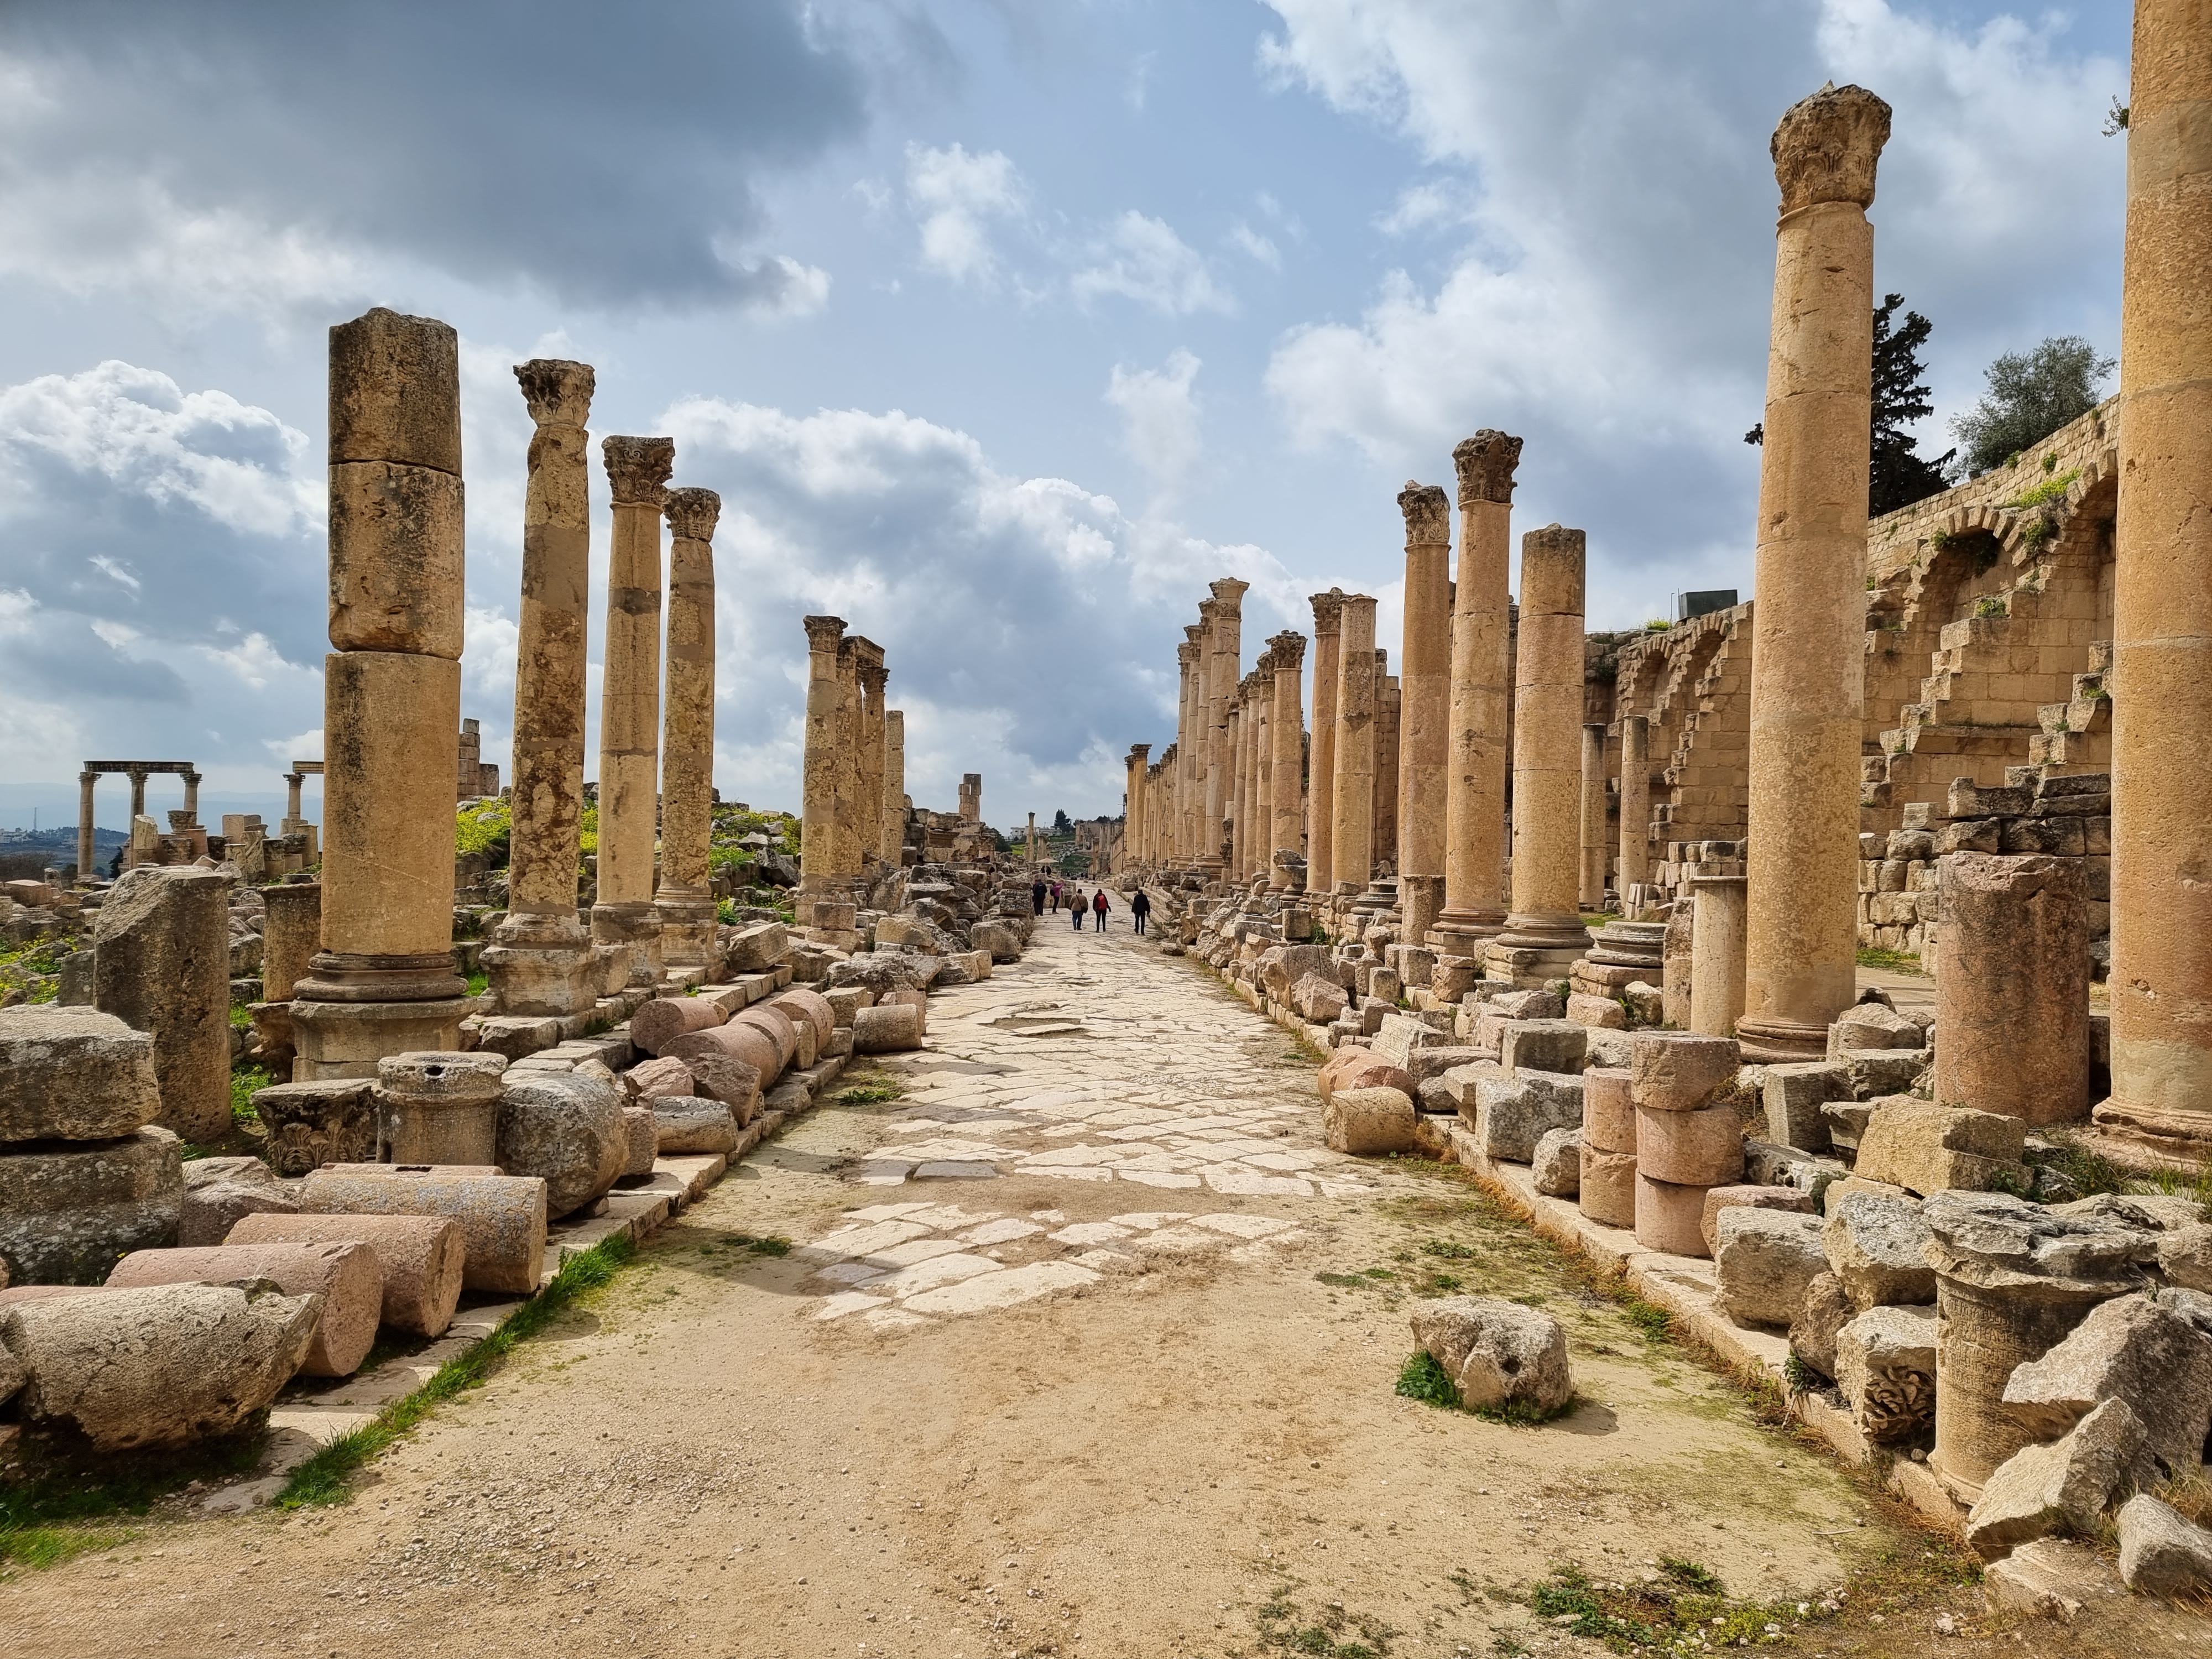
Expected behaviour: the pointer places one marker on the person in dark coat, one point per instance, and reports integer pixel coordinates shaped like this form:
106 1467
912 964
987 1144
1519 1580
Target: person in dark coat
1141 906
1037 898
1098 911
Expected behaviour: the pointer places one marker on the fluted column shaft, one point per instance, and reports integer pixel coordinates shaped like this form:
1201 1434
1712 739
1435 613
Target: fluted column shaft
1352 834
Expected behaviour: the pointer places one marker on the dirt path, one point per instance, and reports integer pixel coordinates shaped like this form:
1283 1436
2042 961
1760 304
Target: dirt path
1116 1379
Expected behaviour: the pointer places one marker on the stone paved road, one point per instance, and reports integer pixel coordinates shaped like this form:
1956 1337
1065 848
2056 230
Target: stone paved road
1084 1345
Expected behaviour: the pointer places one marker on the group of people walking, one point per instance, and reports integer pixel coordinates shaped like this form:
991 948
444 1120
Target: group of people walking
1043 892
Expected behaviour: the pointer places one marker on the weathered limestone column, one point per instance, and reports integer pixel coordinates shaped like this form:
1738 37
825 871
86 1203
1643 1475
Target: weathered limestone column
685 899
2012 1004
1388 712
1286 734
384 983
1321 789
1544 933
875 680
1635 860
1595 841
817 822
1717 935
1481 699
1809 625
1225 647
1351 836
2162 976
1424 708
895 786
629 704
86 853
539 958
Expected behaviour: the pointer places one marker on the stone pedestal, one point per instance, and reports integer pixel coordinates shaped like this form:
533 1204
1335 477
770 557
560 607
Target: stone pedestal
1321 786
629 704
1809 625
2162 976
1351 855
2012 1004
685 900
1481 699
538 960
1716 943
1543 934
1596 848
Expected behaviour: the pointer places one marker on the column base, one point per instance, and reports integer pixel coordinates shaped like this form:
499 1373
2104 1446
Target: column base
688 919
1780 1041
346 1039
636 924
542 965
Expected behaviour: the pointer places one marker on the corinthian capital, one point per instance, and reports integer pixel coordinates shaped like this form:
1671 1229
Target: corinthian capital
824 633
1826 147
638 468
1290 650
693 513
1486 464
1428 514
558 391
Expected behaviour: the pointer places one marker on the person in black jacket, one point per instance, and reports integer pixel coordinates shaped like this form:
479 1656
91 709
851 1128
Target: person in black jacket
1140 905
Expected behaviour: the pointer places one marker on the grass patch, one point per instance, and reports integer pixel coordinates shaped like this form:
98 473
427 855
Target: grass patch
325 1477
57 1513
1897 961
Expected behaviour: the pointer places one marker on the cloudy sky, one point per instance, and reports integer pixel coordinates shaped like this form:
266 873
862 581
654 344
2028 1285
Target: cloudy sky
1000 325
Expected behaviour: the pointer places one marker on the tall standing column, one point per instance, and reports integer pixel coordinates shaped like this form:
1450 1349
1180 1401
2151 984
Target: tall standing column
85 854
1635 857
685 899
1807 684
2162 976
383 982
817 823
1481 697
1286 732
895 788
629 704
539 959
1596 842
1544 933
1227 648
1321 787
1424 708
875 680
1352 834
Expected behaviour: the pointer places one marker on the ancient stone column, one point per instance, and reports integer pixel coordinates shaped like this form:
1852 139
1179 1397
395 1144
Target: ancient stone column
2012 1004
1388 713
1716 938
85 856
818 825
1481 699
1596 840
895 786
1424 703
1287 736
1809 625
1321 789
384 981
629 704
539 959
1352 834
875 680
1634 862
1225 646
1543 932
2162 976
685 899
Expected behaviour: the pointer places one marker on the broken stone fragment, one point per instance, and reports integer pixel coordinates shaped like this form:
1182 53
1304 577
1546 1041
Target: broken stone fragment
1557 1164
1767 1260
159 1365
2061 1486
419 1259
73 1073
2161 1553
1369 1121
1886 1368
347 1276
1498 1353
2130 1348
1878 1248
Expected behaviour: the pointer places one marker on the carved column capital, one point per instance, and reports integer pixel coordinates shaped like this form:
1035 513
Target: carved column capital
1428 514
558 391
638 468
1826 147
1486 463
692 514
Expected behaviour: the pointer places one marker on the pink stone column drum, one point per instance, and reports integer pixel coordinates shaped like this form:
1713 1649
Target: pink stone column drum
2162 976
1321 786
1481 700
2012 1004
1809 624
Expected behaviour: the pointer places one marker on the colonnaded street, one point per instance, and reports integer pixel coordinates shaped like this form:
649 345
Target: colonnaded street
1084 1345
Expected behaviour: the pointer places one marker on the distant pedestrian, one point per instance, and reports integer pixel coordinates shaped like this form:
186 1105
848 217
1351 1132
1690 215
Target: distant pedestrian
1141 906
1075 908
1037 898
1098 911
